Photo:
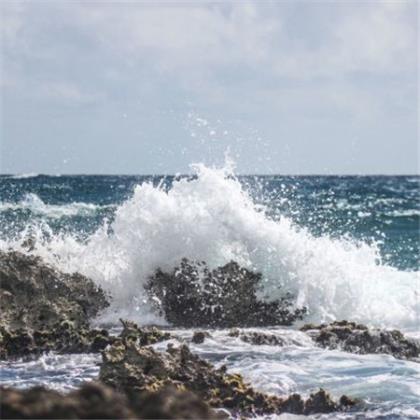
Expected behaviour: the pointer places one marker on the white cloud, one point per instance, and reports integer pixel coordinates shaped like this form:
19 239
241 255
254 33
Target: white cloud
12 20
375 37
68 92
202 40
186 35
351 63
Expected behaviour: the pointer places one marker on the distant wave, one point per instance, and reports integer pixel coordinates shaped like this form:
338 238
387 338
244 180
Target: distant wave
404 213
23 176
35 204
30 175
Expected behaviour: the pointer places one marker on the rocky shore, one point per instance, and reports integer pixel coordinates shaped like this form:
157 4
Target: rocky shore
131 368
358 338
97 401
44 310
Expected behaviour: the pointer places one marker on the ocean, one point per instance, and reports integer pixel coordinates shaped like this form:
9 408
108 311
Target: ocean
345 247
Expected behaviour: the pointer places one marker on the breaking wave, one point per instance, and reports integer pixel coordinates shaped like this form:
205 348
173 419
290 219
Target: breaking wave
210 217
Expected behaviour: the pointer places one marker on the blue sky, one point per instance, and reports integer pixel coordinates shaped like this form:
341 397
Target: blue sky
137 87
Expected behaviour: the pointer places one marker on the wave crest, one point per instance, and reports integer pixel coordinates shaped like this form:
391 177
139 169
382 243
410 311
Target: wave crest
209 217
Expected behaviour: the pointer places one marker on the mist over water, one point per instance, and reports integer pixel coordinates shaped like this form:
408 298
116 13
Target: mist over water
322 239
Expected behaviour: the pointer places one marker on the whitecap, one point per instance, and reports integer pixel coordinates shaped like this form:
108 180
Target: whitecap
209 217
37 206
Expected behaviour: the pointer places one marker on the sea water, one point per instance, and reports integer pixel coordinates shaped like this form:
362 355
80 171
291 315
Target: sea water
344 247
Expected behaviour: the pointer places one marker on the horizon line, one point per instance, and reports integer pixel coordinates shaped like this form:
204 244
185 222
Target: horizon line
35 174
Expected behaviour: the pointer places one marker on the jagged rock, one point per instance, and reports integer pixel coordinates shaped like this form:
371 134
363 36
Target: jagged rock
97 401
172 403
192 295
62 338
37 296
144 336
358 338
43 309
130 368
90 401
321 402
199 337
257 338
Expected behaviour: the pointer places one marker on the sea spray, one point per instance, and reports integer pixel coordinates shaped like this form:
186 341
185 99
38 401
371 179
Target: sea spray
210 217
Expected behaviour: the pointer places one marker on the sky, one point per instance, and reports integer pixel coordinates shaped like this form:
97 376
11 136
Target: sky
130 87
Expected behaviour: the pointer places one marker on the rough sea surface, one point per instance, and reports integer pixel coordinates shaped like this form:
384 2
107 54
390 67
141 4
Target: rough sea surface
345 247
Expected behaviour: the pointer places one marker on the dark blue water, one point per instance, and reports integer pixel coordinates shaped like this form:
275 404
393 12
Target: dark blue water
380 209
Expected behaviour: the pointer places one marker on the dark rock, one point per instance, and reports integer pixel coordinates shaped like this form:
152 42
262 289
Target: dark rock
321 402
172 403
318 402
65 338
358 338
90 401
59 338
144 336
97 401
257 338
199 337
37 296
43 309
192 295
129 368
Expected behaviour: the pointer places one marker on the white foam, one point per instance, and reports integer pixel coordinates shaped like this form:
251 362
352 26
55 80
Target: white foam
25 175
404 213
35 204
211 218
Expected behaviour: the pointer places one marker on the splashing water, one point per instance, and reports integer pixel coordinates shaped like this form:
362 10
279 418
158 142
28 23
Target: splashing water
210 217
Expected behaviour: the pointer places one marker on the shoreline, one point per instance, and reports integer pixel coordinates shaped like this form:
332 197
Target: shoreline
67 330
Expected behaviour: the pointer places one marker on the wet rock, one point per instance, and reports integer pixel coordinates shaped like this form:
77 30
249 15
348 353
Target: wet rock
192 295
172 403
318 402
97 401
64 337
90 401
36 295
199 337
321 402
130 368
60 338
358 338
144 336
257 338
43 309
